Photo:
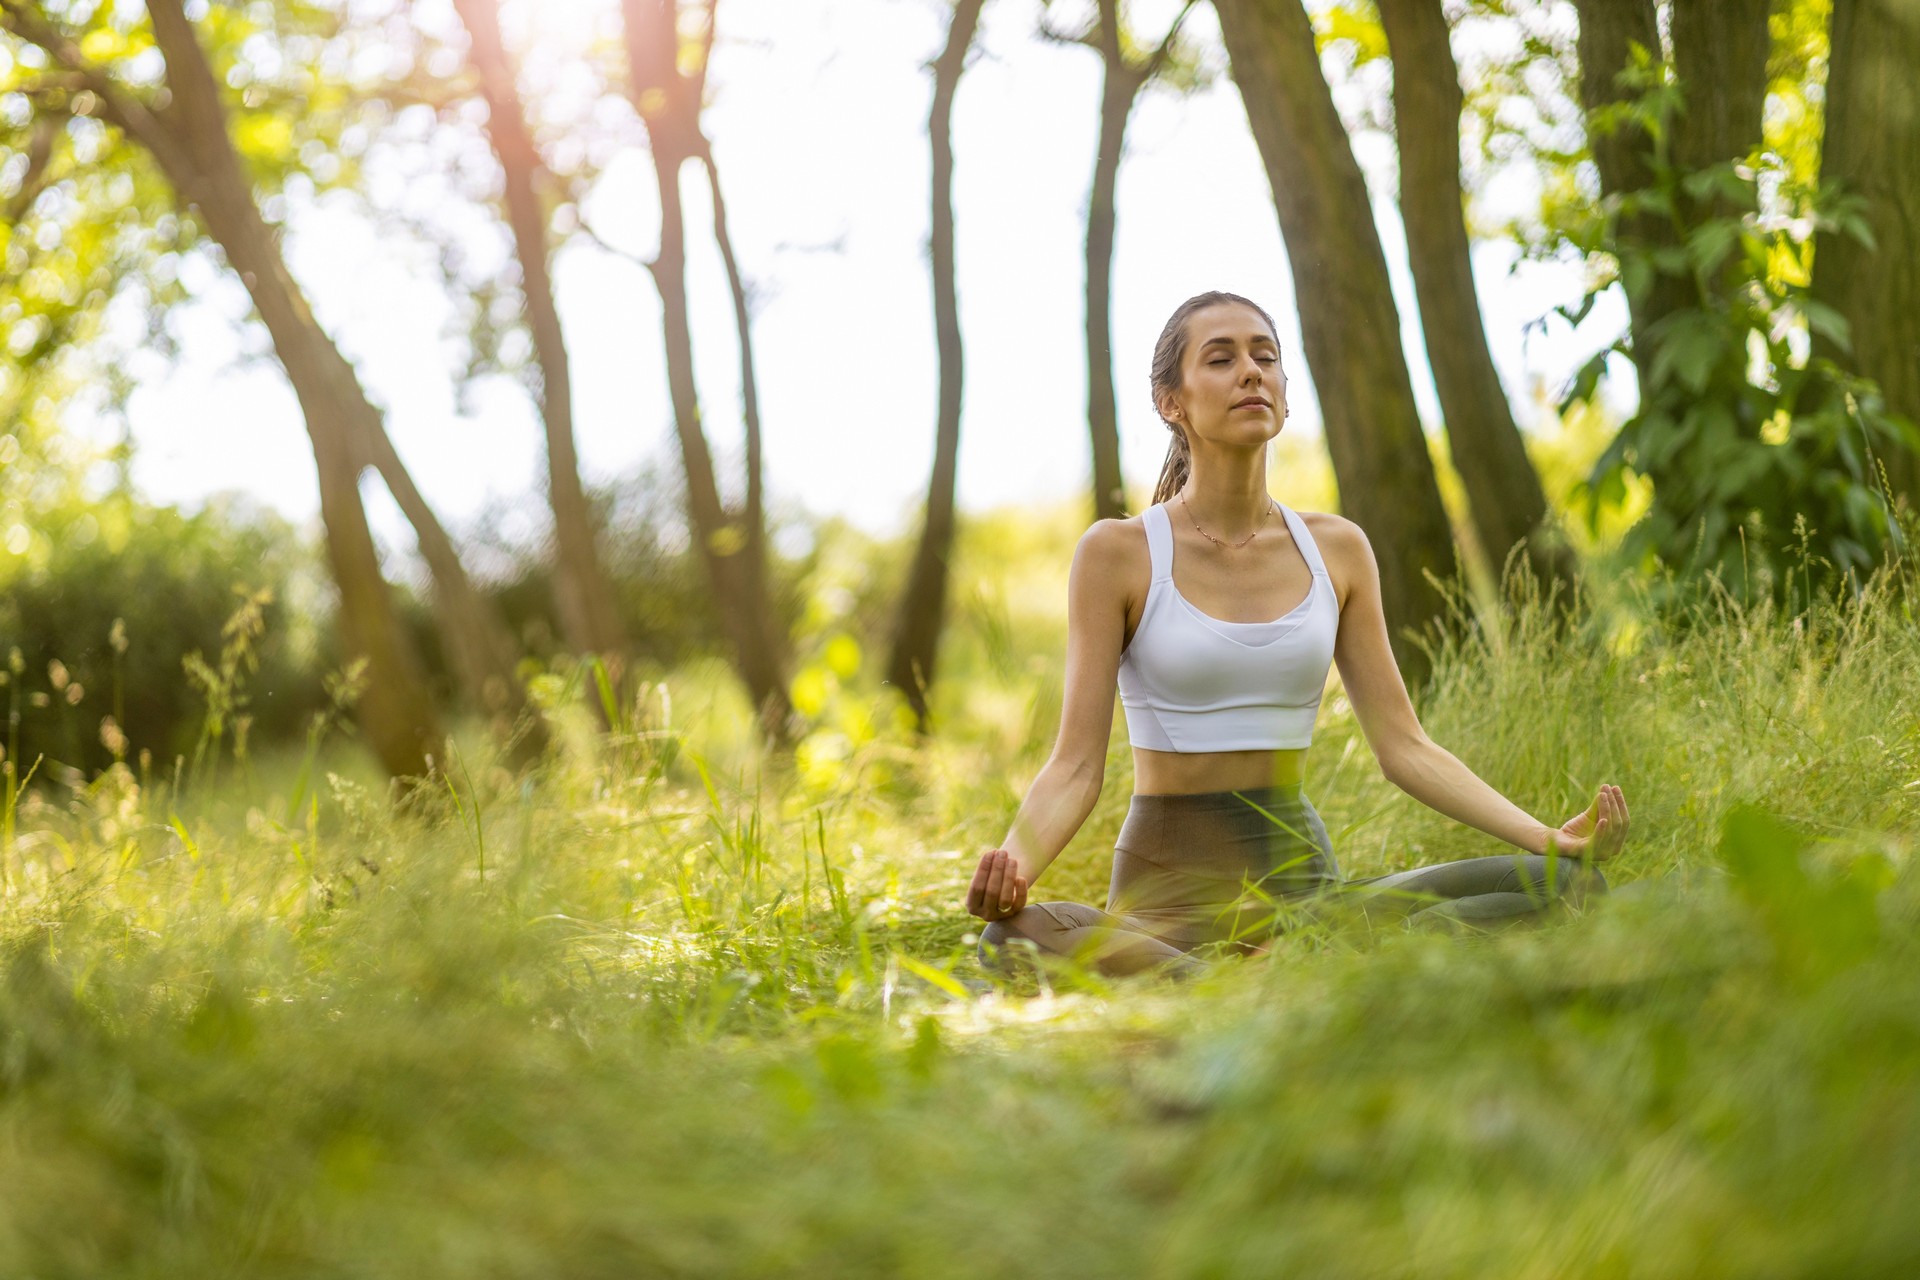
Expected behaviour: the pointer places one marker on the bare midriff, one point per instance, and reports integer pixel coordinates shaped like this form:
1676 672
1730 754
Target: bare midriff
1186 773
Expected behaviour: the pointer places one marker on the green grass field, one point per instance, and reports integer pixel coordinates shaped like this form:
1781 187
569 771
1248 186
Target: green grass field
659 1009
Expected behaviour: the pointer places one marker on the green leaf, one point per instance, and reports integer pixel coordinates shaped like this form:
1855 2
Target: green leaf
1828 323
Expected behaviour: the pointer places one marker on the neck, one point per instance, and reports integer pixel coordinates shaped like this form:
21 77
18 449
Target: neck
1228 494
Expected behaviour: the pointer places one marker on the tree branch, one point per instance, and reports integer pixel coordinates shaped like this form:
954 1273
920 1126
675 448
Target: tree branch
1157 63
117 106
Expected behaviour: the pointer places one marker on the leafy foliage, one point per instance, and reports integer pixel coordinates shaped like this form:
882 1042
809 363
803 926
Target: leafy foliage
124 602
1759 456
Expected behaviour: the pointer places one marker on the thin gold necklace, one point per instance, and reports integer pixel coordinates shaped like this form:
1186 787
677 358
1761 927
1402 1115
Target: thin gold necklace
1231 546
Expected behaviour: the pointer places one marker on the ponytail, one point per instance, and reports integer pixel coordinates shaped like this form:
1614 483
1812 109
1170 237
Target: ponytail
1178 466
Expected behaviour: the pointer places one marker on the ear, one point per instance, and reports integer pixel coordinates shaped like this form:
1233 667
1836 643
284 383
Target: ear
1168 405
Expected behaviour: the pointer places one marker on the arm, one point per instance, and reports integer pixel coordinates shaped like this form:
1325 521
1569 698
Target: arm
1063 793
1410 759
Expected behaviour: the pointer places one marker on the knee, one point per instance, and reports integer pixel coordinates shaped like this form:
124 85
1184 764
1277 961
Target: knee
998 941
1569 879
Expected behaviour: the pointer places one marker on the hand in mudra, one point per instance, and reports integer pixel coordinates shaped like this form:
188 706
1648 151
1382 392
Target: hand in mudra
998 890
1597 832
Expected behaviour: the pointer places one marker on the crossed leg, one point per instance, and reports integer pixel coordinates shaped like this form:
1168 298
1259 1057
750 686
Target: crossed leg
1099 939
1472 890
1497 887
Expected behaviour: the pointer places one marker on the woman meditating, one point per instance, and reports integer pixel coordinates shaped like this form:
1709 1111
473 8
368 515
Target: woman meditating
1218 612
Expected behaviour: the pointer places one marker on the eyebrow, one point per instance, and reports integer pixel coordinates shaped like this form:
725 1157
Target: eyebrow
1214 342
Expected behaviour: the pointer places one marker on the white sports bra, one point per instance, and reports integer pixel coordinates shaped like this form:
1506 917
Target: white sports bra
1191 682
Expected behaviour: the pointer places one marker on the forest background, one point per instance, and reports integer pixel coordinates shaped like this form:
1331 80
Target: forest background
679 762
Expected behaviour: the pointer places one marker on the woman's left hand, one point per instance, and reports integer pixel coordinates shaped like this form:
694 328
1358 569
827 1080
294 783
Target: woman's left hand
1597 832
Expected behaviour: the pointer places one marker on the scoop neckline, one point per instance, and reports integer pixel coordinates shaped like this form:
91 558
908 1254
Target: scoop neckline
1312 586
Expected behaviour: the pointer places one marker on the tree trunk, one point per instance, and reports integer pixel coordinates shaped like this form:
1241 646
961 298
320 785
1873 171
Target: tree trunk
917 637
755 514
668 102
1508 505
479 648
583 597
393 708
1720 59
1872 143
1120 85
1720 50
1624 156
1352 328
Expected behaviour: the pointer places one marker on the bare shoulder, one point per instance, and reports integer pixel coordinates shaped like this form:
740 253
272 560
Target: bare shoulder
1113 546
1343 545
1112 558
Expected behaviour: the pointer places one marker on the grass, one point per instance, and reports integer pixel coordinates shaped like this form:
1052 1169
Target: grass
660 1008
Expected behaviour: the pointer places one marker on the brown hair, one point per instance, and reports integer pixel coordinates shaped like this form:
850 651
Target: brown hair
1165 376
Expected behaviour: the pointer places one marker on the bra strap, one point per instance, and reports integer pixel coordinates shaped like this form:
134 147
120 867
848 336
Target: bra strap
1159 541
1309 549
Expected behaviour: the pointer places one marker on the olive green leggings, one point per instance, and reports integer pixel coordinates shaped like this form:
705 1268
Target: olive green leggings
1190 871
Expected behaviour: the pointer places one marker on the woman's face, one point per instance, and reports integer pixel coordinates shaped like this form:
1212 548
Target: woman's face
1232 389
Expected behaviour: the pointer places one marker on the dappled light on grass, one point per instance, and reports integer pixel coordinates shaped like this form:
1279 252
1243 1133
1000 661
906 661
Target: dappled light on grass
664 1006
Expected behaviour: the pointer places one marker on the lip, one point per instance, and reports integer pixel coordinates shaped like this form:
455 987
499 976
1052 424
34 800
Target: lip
1250 401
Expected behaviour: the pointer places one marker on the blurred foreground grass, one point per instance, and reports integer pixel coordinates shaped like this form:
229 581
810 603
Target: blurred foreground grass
657 1009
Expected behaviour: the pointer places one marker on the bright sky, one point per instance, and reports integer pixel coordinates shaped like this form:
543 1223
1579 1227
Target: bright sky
818 118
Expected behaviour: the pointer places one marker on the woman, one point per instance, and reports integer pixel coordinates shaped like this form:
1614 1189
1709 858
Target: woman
1218 612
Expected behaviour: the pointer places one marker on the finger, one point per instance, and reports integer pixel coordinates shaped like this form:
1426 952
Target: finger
977 891
996 878
1019 892
1009 886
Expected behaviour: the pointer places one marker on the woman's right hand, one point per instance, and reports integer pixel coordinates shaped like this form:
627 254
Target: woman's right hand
998 889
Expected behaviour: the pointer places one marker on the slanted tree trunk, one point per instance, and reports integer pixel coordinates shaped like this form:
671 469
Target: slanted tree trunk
1121 81
188 139
1351 326
583 596
479 648
1504 496
1118 89
668 102
755 513
1872 143
916 642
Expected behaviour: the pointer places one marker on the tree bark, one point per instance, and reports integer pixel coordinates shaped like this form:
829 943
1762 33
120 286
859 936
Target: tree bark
1352 328
1720 52
583 596
917 636
1507 504
1720 59
1120 85
479 649
668 102
755 513
1624 156
1122 79
1872 143
393 708
478 646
